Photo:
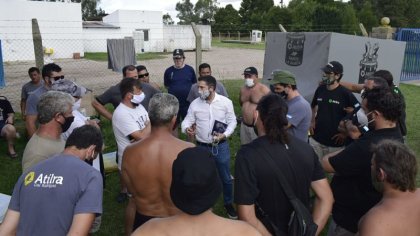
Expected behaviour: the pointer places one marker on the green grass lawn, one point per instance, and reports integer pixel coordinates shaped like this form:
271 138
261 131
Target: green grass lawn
113 220
103 56
218 43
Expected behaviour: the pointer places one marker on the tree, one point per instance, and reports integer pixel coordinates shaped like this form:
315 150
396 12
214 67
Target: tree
226 19
186 12
275 16
205 10
167 19
302 14
251 11
367 16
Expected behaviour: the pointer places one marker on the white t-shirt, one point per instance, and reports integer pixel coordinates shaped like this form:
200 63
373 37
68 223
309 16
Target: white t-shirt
126 121
79 120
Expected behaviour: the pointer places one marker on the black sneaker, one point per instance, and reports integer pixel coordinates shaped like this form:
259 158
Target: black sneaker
231 212
121 197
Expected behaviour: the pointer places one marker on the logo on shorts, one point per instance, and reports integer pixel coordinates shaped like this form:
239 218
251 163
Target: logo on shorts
29 178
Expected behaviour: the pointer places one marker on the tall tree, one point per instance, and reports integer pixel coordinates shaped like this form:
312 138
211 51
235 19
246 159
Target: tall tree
167 19
226 19
185 12
275 16
205 10
302 14
251 11
367 16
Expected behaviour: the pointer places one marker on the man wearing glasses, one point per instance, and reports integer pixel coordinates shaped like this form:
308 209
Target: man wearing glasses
330 104
50 73
143 76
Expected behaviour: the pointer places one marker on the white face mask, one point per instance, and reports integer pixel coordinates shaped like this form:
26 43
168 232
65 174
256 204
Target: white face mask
204 94
137 99
249 83
77 104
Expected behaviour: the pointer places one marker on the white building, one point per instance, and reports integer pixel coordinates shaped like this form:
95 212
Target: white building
63 30
60 25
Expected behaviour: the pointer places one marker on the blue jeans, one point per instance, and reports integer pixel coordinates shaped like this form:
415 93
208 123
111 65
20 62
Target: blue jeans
222 155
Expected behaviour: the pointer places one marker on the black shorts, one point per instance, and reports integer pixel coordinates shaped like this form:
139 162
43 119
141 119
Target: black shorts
140 219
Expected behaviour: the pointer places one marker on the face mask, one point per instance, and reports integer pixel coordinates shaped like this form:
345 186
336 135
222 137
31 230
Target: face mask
371 121
204 94
249 83
77 104
137 99
377 184
254 124
67 123
283 94
328 80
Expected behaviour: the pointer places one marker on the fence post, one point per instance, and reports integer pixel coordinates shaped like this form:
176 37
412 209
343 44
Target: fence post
198 48
220 39
239 36
38 49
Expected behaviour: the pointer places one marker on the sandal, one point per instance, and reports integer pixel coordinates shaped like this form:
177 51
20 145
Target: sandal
12 155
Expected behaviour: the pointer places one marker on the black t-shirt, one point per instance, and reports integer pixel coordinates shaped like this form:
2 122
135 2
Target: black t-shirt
5 109
401 120
255 181
352 187
331 104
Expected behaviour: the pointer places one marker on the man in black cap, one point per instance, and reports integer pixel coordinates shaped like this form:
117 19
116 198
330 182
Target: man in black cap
249 96
178 79
195 188
330 104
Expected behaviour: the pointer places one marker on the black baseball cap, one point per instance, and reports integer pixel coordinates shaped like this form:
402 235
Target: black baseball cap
196 185
333 66
251 71
178 53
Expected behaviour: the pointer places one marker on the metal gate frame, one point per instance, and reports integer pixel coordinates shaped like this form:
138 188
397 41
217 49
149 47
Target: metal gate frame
411 65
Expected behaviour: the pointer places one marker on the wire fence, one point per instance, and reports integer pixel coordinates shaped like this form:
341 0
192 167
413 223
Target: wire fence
83 55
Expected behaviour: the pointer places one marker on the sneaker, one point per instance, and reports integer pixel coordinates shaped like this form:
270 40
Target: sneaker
231 212
121 197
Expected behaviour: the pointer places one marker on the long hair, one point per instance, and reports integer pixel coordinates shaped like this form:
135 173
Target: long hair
272 111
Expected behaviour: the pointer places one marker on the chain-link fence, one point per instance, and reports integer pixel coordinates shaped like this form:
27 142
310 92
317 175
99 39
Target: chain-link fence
83 56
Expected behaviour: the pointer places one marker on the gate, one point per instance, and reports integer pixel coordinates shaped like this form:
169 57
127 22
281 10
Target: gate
411 66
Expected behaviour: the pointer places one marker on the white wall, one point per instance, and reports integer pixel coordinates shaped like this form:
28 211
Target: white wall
130 20
182 36
60 25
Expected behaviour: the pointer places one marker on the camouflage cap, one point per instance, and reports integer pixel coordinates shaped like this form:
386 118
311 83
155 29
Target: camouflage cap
68 86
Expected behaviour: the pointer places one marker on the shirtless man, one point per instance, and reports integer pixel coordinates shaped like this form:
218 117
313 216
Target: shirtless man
249 96
195 188
147 165
393 171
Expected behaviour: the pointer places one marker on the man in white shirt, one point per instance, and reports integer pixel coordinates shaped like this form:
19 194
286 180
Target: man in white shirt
130 121
211 119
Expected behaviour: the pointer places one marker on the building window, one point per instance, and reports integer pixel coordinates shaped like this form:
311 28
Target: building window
146 34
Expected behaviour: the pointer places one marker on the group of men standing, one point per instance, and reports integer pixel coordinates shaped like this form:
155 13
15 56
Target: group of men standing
164 176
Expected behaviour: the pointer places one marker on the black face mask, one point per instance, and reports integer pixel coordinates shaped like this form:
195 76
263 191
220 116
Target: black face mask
67 123
283 94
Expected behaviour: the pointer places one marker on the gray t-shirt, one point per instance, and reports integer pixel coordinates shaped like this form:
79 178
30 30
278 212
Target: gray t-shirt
113 95
193 94
33 100
299 116
29 88
52 192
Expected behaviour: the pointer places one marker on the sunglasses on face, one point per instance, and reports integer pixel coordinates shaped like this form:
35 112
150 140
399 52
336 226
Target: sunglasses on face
57 77
143 75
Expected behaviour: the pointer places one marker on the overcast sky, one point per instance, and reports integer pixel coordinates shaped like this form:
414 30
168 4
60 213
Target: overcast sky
166 6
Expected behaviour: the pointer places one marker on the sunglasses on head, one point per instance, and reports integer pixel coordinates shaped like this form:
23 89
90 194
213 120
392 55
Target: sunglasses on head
143 75
57 77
